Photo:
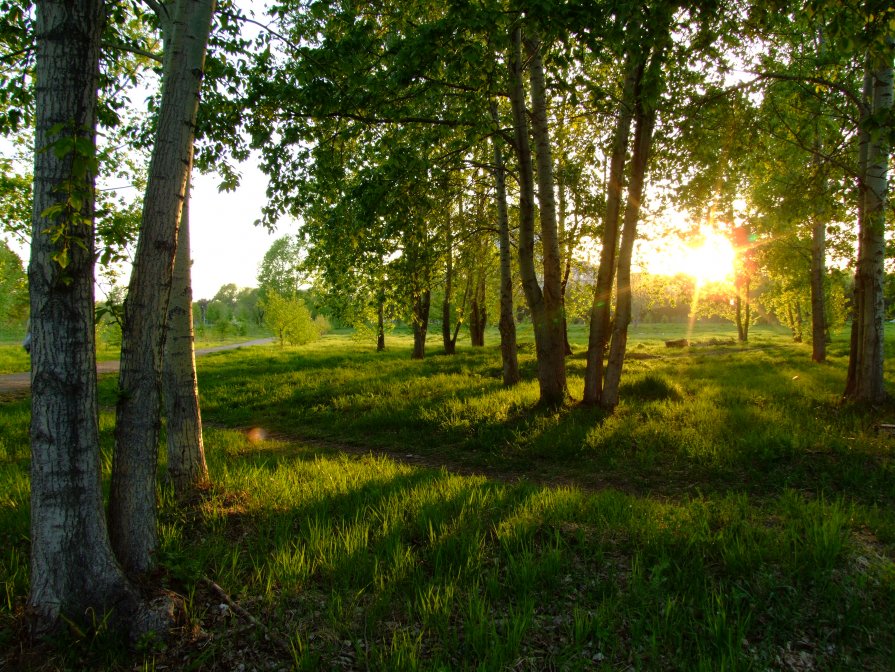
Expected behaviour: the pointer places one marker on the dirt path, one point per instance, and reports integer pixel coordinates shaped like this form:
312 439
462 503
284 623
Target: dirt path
13 383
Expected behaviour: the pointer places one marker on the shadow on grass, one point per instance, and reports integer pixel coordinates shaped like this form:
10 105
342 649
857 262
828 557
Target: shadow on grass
748 419
485 573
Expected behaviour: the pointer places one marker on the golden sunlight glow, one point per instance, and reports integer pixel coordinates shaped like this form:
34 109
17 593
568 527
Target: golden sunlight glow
707 257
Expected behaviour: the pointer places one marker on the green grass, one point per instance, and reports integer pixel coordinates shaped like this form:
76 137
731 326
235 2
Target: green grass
731 515
14 359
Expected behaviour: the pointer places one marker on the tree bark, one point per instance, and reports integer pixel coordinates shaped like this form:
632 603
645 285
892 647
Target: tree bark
545 306
132 507
421 304
643 136
478 313
450 344
186 450
600 312
507 324
865 383
818 273
73 569
380 324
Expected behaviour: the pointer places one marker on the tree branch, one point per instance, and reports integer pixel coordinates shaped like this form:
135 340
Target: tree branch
130 49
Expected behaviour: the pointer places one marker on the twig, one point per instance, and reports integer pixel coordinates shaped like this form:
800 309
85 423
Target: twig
282 643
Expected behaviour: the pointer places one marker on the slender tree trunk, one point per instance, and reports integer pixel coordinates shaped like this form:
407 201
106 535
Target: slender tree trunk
73 570
450 345
818 273
186 450
380 324
741 336
643 136
855 339
421 304
545 306
600 313
132 509
507 324
478 313
565 244
552 373
866 382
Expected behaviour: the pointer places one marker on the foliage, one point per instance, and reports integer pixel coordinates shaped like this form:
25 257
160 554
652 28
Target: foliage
280 270
290 320
13 288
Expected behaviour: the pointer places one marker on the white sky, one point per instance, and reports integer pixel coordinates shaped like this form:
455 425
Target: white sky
225 244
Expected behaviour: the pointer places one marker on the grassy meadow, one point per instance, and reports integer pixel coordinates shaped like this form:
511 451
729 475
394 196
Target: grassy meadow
373 512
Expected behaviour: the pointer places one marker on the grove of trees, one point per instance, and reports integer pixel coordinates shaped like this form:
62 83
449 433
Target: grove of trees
450 153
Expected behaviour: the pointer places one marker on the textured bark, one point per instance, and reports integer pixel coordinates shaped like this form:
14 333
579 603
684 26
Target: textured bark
865 382
568 248
858 291
507 324
186 450
380 325
421 304
478 313
132 508
818 273
73 570
450 344
600 313
546 304
643 136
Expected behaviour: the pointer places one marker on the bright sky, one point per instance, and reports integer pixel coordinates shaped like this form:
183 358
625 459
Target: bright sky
225 244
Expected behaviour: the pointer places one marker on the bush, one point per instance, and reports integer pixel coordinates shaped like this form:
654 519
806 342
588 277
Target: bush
290 320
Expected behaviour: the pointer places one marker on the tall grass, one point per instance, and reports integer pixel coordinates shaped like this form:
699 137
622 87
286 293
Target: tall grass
417 516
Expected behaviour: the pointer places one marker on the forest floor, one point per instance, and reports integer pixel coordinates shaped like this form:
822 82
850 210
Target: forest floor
369 512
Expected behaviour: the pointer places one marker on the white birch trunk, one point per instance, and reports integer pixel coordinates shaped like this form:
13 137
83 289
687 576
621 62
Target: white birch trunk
73 570
132 508
186 450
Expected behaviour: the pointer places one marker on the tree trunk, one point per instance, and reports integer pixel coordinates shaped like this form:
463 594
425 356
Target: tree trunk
421 303
565 244
380 324
600 313
132 512
742 335
186 450
478 315
643 136
818 273
865 381
507 325
545 306
450 344
73 570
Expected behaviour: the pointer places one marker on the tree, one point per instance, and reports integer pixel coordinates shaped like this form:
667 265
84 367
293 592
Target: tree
73 570
280 270
545 303
507 323
289 319
865 367
187 468
132 509
13 287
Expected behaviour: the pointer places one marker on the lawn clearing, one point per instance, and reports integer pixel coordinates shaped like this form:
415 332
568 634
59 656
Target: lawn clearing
415 515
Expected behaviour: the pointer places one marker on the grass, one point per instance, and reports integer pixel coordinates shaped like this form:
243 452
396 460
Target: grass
731 514
14 359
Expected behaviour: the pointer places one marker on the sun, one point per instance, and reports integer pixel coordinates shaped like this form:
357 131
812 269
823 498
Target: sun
710 259
707 257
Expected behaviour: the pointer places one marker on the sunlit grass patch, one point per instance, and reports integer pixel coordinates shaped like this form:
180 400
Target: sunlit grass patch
729 515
